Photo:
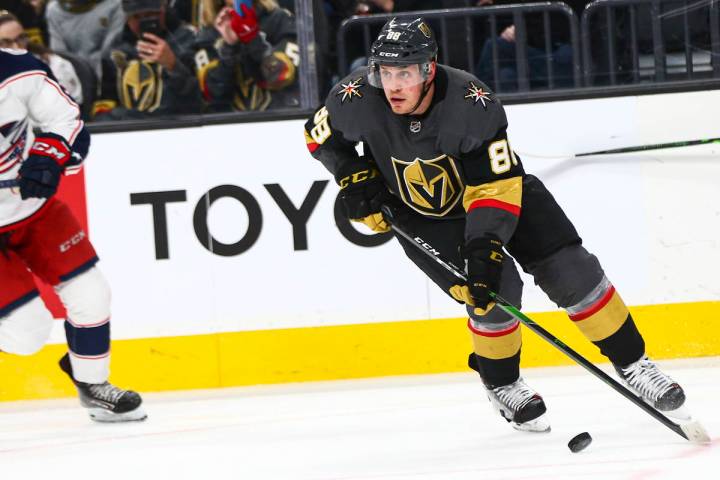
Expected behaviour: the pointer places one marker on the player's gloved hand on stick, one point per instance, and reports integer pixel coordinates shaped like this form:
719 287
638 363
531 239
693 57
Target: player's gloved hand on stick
484 265
41 171
362 194
243 20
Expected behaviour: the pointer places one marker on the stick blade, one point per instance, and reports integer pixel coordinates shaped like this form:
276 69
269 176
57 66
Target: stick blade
695 432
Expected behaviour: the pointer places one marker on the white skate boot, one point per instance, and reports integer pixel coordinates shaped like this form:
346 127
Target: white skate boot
520 405
104 401
653 386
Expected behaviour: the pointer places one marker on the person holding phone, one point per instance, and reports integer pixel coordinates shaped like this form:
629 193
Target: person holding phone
149 72
246 55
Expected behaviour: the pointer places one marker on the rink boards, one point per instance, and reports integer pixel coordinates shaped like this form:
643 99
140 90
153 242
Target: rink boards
228 268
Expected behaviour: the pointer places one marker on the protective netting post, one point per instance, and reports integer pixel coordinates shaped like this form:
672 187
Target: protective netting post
308 49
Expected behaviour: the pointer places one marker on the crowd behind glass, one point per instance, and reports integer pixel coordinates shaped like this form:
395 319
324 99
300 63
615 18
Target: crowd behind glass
138 59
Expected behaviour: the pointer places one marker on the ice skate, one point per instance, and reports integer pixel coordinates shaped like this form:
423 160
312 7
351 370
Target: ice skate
106 402
654 387
521 406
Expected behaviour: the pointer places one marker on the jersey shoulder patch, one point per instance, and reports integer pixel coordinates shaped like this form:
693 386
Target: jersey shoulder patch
472 108
466 89
353 104
351 90
15 62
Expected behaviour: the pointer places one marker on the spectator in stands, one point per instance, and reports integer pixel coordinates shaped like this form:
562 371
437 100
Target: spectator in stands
13 35
188 11
561 51
87 28
149 73
388 6
31 15
247 56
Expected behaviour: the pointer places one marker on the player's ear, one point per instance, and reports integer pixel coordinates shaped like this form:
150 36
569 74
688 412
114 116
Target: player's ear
433 70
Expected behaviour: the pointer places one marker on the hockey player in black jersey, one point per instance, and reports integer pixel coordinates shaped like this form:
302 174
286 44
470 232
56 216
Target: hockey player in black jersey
436 148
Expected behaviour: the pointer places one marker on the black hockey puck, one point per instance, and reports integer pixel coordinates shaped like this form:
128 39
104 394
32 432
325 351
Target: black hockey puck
579 442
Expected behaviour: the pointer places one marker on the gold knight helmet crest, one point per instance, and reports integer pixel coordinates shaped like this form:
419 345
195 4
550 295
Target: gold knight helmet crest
430 187
141 85
425 29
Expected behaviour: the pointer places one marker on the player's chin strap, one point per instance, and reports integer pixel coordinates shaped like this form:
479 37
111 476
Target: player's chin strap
426 89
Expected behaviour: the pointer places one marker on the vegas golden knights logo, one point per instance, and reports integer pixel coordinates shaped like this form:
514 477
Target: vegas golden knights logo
431 187
140 85
248 94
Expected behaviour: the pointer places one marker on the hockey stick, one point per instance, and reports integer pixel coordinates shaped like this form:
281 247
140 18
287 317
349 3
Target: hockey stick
636 148
691 431
656 146
8 183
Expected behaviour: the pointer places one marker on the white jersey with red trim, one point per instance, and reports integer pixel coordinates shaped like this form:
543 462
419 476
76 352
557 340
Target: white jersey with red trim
30 97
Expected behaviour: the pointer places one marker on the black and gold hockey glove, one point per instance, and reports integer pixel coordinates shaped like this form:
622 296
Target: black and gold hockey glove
484 265
362 194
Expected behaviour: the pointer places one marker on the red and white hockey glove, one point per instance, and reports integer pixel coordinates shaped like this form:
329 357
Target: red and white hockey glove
243 20
41 170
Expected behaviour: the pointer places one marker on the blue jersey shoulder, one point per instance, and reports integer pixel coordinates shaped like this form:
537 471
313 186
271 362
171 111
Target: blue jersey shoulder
15 62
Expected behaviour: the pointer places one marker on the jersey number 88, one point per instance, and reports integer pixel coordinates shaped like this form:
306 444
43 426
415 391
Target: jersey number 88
321 131
502 158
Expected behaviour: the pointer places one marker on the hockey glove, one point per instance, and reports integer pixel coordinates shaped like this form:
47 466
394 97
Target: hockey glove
41 170
484 259
362 194
243 20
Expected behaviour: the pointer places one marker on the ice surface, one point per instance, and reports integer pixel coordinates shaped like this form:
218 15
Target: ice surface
396 428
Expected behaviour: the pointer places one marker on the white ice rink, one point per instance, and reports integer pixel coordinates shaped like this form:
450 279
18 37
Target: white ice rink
399 428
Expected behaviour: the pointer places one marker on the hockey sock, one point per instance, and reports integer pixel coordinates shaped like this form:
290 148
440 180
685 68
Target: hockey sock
496 354
606 321
496 373
624 346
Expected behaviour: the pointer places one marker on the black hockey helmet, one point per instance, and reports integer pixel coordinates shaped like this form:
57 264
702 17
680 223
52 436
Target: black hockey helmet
402 41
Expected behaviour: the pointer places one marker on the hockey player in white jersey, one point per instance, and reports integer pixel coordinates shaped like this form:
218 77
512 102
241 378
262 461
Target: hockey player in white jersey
39 234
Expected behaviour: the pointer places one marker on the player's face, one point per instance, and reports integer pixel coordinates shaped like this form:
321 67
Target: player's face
403 86
12 35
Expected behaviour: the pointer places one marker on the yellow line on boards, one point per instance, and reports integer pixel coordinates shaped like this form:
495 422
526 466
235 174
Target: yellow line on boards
346 351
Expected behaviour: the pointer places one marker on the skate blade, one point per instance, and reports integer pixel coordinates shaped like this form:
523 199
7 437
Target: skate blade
538 425
104 416
695 432
681 413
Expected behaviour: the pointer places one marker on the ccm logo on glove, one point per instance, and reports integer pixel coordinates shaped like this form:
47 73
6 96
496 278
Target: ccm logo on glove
358 177
53 147
41 170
